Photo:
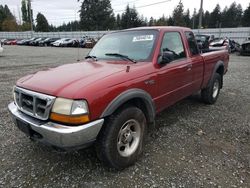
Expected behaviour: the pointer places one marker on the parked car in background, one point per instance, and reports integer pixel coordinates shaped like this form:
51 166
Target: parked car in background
90 43
70 43
224 43
234 46
11 42
27 41
59 42
3 40
82 41
203 41
22 42
220 44
32 41
48 41
36 42
245 47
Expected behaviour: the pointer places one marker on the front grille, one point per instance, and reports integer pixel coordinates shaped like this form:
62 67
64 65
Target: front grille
32 103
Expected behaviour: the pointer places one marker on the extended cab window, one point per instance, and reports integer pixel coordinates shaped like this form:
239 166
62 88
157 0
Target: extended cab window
172 42
192 43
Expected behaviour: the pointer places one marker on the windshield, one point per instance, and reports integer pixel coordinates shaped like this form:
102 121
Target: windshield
137 45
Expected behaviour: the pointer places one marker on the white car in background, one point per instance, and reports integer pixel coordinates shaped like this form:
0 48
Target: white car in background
59 42
1 48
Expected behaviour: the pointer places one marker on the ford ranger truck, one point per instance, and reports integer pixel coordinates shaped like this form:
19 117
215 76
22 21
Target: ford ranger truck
111 99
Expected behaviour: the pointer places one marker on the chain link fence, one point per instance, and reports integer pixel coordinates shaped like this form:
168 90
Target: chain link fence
237 34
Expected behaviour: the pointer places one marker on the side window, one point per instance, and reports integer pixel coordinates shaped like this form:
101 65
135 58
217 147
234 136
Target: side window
192 43
172 42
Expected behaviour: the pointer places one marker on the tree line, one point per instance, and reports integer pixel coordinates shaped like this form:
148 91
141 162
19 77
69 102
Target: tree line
98 15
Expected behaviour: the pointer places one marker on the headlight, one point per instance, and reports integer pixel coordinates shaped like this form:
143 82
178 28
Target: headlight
70 111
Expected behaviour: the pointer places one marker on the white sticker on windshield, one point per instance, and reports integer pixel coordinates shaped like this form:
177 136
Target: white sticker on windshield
143 38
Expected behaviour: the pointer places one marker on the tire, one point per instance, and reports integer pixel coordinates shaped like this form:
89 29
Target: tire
121 140
210 94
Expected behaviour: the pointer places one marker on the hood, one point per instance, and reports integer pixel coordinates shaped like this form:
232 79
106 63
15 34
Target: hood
69 77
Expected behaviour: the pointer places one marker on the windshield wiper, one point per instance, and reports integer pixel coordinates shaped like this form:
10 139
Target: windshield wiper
91 57
122 56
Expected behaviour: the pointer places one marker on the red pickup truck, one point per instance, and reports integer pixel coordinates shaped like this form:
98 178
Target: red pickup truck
111 99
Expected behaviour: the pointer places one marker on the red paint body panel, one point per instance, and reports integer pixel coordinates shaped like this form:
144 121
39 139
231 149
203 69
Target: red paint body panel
102 81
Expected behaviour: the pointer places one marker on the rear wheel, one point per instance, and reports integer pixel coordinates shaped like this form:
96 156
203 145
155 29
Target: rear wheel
210 94
121 140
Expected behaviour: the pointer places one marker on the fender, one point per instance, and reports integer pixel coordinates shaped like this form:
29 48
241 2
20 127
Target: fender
217 65
128 95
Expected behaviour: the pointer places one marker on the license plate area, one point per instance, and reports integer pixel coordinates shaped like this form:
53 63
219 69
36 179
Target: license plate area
24 127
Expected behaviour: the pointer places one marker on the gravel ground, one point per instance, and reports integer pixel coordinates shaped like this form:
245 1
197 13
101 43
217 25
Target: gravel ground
194 145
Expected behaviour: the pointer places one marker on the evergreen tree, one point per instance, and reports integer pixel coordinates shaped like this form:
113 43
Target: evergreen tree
96 15
7 20
178 15
187 19
239 15
231 17
24 11
163 21
71 26
170 21
206 19
215 17
118 21
246 17
194 20
29 11
130 18
151 21
9 24
42 23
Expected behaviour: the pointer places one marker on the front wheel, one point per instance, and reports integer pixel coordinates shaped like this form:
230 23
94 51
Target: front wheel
210 94
121 140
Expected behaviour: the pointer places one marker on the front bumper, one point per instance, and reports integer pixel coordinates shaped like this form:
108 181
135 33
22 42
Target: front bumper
61 136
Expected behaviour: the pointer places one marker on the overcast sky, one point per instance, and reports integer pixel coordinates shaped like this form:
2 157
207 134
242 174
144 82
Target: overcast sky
59 11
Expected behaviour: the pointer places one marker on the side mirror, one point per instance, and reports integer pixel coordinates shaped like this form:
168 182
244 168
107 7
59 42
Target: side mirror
166 57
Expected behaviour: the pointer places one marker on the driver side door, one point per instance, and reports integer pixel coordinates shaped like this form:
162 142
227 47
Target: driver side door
174 78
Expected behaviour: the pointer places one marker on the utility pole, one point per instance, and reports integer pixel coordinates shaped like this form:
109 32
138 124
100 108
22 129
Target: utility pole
201 12
31 17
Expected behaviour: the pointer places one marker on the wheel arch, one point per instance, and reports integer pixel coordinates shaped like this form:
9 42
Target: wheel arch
137 97
218 68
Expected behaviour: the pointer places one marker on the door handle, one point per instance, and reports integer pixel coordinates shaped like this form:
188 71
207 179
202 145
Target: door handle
189 67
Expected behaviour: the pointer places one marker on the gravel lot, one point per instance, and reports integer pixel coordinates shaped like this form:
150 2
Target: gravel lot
194 145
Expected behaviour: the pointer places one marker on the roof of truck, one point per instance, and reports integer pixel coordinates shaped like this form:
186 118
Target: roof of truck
161 28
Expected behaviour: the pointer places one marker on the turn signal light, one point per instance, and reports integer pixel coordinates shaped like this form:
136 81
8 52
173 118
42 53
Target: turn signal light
67 119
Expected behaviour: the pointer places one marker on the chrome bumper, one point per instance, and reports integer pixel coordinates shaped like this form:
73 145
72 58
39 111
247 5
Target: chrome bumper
58 135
